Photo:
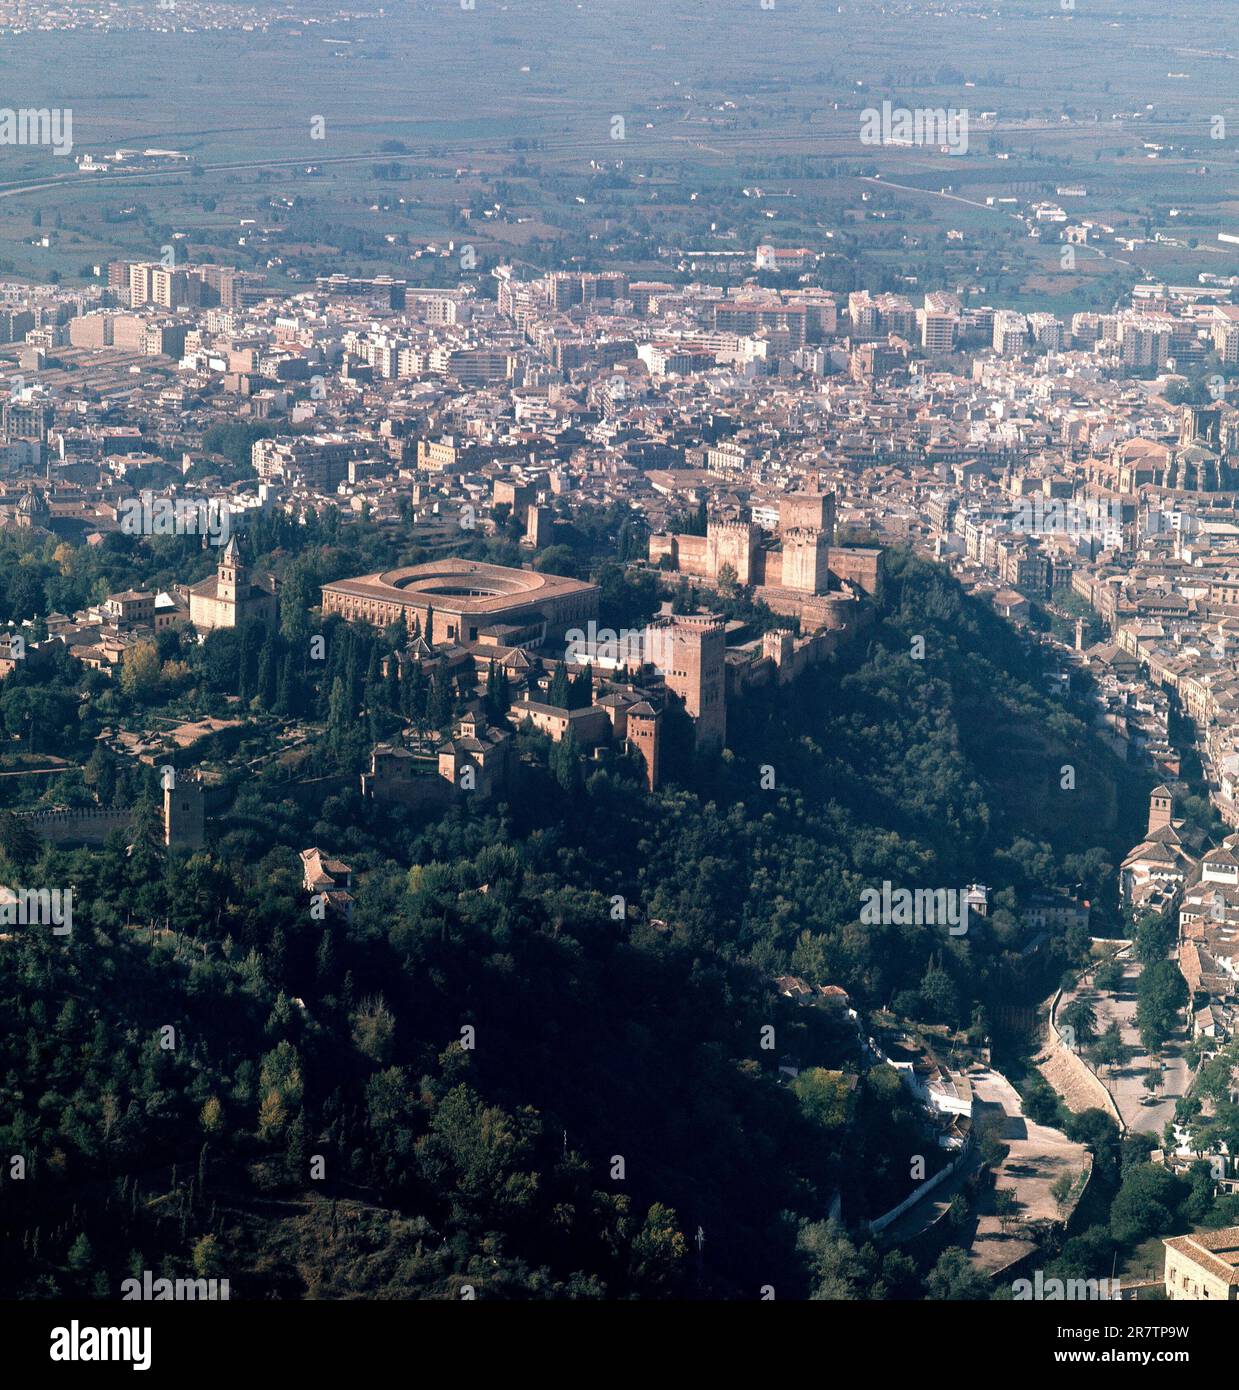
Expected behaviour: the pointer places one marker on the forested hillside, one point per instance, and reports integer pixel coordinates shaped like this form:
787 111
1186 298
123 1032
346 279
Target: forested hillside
533 1062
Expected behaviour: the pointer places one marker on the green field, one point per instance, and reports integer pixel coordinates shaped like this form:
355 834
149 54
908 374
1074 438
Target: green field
430 110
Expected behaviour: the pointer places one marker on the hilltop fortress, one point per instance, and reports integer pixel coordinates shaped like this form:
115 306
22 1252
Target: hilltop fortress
792 573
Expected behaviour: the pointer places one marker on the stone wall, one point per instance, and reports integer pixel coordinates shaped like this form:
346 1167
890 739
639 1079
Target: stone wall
86 825
1071 1076
882 1222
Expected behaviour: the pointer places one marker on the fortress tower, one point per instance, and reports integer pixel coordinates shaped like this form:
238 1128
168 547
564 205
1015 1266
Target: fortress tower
806 555
539 526
731 543
645 736
184 812
778 645
808 511
690 652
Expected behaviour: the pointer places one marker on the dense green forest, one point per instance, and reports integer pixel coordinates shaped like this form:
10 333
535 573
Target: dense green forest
533 1062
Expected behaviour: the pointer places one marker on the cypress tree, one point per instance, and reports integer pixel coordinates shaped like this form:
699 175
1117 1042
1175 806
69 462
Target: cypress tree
560 693
439 706
285 699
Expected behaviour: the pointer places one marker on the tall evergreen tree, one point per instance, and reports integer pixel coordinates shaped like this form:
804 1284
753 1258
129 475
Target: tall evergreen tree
339 716
285 698
581 693
565 762
439 711
560 692
267 675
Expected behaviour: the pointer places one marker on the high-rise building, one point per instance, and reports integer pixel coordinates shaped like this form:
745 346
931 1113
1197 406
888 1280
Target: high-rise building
15 324
27 419
169 288
1010 333
1144 341
939 323
1225 333
1048 332
141 283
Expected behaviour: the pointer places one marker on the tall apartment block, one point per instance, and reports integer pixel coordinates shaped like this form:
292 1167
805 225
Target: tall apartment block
939 322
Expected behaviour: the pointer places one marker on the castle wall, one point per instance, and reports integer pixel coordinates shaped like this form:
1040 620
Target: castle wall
413 792
86 825
184 819
313 791
693 553
768 568
793 656
664 546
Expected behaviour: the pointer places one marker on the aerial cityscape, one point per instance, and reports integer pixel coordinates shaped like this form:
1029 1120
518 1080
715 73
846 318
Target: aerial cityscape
619 658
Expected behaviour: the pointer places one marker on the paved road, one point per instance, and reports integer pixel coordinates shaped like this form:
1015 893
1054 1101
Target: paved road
1125 1083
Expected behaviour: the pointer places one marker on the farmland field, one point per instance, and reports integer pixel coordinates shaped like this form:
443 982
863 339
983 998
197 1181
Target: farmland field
497 129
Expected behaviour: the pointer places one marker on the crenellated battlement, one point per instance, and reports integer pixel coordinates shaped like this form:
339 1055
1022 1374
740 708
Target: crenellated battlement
65 814
67 825
184 816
